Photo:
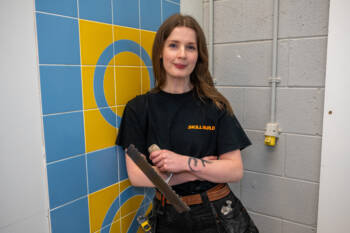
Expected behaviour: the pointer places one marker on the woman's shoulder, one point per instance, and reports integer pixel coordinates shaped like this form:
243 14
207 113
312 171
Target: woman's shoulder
139 102
212 108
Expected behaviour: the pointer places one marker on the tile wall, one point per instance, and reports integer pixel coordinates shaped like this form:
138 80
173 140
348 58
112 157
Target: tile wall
94 56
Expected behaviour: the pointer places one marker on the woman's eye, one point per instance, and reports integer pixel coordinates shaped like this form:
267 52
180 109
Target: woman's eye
191 47
172 45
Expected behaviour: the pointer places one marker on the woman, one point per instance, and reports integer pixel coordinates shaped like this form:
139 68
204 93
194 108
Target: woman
199 137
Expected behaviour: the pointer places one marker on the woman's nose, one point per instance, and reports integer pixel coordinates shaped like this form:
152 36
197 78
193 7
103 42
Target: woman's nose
182 52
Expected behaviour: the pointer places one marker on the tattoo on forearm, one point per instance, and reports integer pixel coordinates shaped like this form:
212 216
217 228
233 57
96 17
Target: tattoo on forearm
196 162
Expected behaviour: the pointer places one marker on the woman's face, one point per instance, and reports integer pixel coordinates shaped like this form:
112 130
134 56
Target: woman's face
180 53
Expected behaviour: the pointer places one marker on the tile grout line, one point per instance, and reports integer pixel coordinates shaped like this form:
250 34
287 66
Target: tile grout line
116 101
161 11
82 98
58 15
74 18
140 50
176 3
69 202
85 110
65 159
284 178
69 65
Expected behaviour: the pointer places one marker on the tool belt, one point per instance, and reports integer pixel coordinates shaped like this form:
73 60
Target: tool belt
215 193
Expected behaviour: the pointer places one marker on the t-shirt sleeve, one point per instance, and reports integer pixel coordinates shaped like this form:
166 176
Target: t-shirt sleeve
231 135
131 130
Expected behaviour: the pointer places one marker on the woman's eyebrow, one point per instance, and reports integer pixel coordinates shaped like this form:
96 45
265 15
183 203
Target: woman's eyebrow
177 41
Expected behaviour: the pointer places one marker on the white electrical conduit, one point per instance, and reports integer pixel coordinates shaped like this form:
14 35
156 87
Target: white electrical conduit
274 80
272 128
211 36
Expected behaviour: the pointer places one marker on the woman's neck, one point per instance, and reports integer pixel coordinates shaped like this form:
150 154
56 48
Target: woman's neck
177 85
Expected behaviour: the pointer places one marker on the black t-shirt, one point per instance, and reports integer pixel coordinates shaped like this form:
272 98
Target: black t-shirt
181 123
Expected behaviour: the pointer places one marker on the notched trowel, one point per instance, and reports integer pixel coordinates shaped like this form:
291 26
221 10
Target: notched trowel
157 180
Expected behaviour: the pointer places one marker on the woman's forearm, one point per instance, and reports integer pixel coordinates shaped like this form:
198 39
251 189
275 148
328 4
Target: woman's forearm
228 168
216 171
138 178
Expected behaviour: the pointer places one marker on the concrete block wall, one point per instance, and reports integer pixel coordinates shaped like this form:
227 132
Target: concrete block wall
280 185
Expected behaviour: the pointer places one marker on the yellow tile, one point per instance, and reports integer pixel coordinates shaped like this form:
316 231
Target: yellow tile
117 215
109 86
140 230
128 83
115 227
120 110
149 209
145 80
88 86
99 204
147 39
99 133
94 39
127 58
124 185
126 221
131 205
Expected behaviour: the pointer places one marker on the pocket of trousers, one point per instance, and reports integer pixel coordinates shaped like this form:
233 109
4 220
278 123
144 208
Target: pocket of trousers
238 219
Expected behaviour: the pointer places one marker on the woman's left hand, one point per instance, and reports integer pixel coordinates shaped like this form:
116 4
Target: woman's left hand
168 161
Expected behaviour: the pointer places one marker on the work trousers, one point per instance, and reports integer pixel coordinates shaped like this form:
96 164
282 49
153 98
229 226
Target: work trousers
206 217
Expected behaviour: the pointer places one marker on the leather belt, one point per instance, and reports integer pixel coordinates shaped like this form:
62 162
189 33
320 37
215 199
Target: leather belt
215 193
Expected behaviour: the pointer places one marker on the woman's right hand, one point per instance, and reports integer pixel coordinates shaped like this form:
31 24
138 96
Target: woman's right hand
169 161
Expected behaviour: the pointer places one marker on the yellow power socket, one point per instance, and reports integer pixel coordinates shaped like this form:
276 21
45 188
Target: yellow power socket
270 140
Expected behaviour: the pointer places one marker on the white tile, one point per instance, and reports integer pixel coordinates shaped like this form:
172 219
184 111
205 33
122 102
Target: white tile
280 197
261 158
290 227
257 108
303 18
243 64
300 110
302 62
236 98
303 157
267 224
242 20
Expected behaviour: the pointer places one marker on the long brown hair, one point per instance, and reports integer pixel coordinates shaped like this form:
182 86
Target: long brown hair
200 78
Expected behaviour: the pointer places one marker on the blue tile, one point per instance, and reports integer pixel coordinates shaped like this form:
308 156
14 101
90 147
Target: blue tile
58 40
61 89
67 181
177 1
169 9
126 13
102 169
72 218
150 14
96 10
64 135
62 7
123 174
127 46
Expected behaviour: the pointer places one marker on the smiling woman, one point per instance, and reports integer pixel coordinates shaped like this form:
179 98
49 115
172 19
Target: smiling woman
179 56
194 125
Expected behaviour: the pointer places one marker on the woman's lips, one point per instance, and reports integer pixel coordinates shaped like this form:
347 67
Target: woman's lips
180 66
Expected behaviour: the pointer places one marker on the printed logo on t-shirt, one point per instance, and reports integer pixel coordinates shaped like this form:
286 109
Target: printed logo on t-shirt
201 127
